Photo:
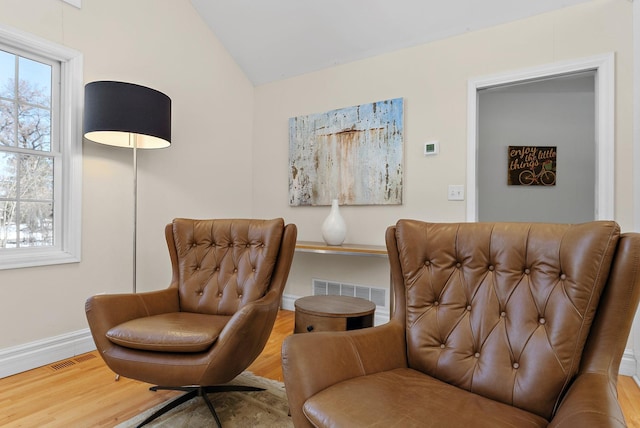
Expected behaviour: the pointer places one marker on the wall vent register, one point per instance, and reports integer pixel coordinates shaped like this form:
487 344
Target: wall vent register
322 287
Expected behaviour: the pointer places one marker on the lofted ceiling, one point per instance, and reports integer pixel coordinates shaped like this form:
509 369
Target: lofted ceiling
277 39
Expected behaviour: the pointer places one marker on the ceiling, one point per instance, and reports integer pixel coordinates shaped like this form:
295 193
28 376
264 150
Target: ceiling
277 39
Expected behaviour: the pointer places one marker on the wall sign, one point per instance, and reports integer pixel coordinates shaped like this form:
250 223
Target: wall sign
532 165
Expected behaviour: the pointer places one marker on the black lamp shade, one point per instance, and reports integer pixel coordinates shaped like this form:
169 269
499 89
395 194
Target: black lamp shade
116 111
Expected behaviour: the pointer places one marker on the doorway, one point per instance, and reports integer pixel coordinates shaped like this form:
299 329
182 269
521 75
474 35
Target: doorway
536 150
600 70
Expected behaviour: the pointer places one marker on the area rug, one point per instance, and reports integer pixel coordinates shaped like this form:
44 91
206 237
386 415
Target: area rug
267 408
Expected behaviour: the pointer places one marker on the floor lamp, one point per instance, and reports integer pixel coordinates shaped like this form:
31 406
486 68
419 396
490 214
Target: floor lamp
127 115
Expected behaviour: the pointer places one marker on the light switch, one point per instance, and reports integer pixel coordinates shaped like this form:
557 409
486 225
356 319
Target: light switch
456 192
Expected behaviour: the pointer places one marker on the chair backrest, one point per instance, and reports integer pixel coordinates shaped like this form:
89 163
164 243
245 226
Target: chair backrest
501 309
221 265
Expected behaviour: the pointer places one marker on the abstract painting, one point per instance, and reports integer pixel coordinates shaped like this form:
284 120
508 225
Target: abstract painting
353 154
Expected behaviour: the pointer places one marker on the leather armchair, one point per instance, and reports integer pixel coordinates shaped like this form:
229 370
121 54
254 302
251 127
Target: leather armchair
494 325
214 318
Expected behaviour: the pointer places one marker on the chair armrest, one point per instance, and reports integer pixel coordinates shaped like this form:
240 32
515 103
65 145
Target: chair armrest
241 340
105 311
312 362
590 402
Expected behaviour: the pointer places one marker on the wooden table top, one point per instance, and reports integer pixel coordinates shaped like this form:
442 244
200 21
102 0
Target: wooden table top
345 249
335 306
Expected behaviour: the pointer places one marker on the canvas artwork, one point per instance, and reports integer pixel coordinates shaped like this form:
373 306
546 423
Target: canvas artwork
532 165
352 154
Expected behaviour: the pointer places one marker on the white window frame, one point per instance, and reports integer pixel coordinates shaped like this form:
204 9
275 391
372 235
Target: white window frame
67 248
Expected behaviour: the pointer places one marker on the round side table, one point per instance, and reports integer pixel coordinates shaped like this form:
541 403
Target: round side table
332 313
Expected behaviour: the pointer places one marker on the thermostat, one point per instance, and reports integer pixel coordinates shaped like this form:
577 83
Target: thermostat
431 148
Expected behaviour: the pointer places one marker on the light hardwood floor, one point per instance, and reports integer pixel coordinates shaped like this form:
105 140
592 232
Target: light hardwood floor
82 392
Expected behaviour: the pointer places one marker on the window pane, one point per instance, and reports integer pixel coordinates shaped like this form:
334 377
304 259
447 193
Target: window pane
7 123
7 225
36 177
7 74
34 128
36 224
8 175
35 82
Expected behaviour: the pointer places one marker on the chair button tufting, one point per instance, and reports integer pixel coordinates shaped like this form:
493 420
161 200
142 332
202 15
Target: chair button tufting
235 270
458 265
563 277
200 293
516 365
503 314
477 355
542 321
527 271
219 294
427 263
442 346
468 308
491 268
248 245
436 303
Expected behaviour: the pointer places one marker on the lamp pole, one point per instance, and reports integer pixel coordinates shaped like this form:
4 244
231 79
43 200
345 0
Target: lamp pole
134 137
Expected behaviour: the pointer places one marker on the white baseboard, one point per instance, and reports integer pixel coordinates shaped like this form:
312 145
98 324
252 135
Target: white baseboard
36 354
380 317
628 364
287 302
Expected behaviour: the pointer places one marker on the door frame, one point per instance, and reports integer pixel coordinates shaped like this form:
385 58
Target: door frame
636 163
604 67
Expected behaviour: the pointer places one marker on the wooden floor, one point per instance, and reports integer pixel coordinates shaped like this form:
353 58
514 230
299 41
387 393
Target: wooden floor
82 392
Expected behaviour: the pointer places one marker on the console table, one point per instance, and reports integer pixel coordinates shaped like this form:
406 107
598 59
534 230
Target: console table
344 249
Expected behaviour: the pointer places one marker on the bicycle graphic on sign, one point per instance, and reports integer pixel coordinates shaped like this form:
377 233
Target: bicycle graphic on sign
546 176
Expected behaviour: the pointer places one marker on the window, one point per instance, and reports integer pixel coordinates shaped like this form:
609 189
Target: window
40 151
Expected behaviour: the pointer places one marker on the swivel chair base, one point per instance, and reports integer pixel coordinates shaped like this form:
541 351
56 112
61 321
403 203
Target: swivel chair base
191 392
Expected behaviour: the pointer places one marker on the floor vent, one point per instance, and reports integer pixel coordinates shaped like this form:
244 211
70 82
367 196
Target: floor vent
72 362
85 357
322 287
61 365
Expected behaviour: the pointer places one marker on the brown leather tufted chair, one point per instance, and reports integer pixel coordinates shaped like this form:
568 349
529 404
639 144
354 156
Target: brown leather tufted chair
215 317
494 325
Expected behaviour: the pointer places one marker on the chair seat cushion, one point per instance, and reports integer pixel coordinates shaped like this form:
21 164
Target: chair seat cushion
408 398
171 332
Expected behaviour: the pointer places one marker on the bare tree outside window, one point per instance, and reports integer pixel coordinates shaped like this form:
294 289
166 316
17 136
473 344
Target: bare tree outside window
26 161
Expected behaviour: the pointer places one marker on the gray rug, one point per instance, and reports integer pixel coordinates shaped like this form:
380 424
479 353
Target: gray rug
267 408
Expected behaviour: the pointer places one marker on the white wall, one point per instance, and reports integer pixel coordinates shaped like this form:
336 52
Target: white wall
165 45
432 79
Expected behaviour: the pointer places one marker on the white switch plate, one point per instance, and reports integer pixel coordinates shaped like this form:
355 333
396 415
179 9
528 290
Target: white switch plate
456 192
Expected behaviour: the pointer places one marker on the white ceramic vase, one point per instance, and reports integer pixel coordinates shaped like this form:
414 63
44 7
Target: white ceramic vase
334 229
